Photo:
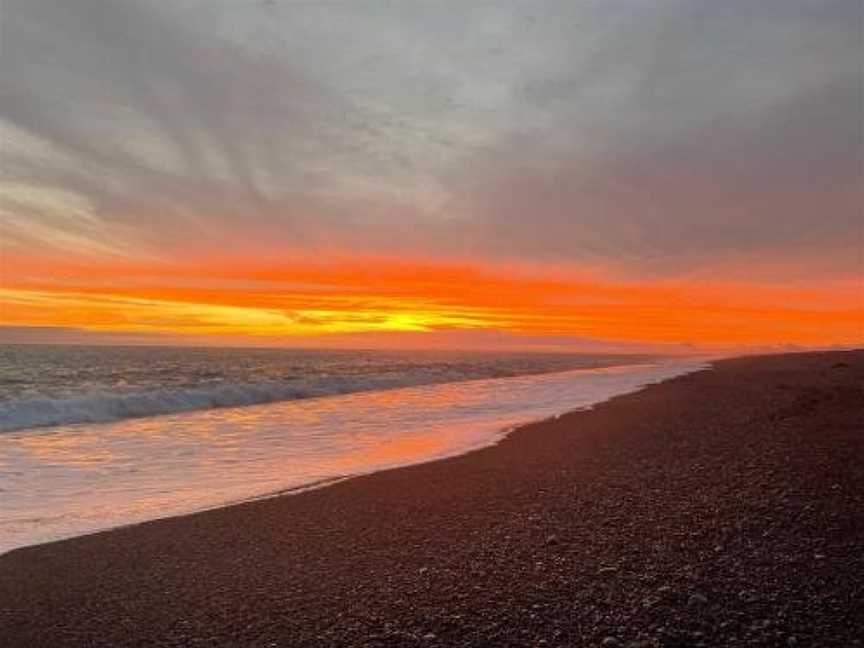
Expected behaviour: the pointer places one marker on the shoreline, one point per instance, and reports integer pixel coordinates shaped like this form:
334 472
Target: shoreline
653 518
483 434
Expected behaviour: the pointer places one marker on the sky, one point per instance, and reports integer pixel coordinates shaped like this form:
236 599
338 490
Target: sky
577 175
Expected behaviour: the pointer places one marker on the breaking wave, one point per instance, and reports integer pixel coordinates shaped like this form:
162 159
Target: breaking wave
56 386
105 407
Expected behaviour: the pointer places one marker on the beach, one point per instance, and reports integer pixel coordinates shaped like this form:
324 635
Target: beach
724 507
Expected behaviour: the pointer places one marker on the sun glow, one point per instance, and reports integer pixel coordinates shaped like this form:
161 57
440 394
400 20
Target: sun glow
114 312
391 296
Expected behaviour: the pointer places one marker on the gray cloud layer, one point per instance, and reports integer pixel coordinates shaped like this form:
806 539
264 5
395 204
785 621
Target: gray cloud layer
660 138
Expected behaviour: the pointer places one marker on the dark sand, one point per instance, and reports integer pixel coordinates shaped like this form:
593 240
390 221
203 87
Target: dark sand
723 508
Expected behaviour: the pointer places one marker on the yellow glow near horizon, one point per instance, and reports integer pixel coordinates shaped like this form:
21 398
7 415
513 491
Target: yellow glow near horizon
101 312
387 297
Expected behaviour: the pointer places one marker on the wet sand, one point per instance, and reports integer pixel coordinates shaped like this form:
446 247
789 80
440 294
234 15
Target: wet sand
722 508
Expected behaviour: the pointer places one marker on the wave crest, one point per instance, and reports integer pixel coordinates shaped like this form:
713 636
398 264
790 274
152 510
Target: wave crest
104 407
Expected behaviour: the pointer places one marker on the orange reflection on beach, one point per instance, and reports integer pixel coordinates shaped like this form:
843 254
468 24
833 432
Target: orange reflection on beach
395 451
56 448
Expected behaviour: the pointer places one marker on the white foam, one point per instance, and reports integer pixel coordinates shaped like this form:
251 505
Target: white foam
103 407
109 406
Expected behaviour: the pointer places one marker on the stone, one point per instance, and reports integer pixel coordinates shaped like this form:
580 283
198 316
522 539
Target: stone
698 599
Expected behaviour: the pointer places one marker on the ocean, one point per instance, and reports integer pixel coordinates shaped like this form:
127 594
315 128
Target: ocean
98 437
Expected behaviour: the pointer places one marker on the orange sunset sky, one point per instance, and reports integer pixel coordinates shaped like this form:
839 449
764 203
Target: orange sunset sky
678 176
